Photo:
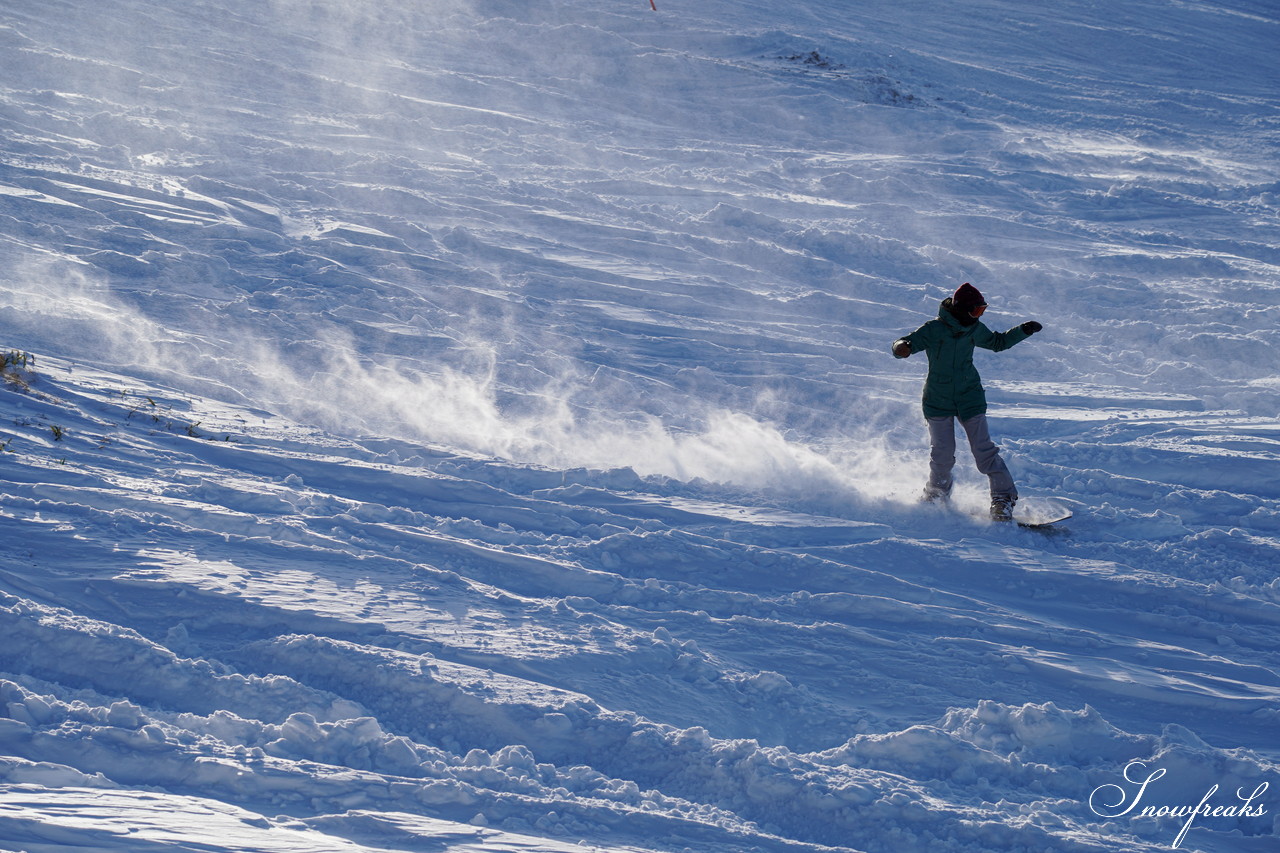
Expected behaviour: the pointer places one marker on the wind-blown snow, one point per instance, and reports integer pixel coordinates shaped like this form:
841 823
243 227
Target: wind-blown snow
471 425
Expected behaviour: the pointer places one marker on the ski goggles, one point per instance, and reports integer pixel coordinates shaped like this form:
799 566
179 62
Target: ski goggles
978 311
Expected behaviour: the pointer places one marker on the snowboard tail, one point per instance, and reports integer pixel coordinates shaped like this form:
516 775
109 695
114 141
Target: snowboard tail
1033 514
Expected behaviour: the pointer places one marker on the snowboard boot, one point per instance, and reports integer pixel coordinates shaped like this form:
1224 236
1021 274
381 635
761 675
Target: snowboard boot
1002 508
934 495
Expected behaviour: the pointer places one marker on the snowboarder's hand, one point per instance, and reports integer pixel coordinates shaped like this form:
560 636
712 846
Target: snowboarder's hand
1031 327
901 349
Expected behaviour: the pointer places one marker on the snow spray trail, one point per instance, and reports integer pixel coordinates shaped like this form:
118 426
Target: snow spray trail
560 425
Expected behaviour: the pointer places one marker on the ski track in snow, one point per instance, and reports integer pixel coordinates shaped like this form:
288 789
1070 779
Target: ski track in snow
472 427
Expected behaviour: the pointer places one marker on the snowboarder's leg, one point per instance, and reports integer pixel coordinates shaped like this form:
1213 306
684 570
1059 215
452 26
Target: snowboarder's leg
942 458
987 456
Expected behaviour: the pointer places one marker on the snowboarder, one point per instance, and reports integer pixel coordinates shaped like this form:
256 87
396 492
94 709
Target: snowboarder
953 390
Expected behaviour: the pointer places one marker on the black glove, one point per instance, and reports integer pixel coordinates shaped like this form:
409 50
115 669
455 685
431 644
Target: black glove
901 348
1031 327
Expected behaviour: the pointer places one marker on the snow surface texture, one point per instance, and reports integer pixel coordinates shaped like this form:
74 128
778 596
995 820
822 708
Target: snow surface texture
470 425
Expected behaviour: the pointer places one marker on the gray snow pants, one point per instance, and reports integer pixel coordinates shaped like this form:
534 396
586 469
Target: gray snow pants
942 456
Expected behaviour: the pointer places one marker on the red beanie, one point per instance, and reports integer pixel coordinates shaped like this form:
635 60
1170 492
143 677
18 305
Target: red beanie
966 298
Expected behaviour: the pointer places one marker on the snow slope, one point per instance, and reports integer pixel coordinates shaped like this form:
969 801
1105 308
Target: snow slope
471 426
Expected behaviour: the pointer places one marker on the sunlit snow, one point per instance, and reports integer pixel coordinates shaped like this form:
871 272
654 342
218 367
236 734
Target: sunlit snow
470 425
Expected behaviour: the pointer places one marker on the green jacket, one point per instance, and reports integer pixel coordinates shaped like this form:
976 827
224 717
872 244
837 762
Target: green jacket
953 386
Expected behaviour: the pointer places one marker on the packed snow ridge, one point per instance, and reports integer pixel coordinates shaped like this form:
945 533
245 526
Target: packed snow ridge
472 426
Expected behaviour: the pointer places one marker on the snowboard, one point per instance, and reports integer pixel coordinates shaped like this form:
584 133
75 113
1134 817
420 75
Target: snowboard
1040 514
